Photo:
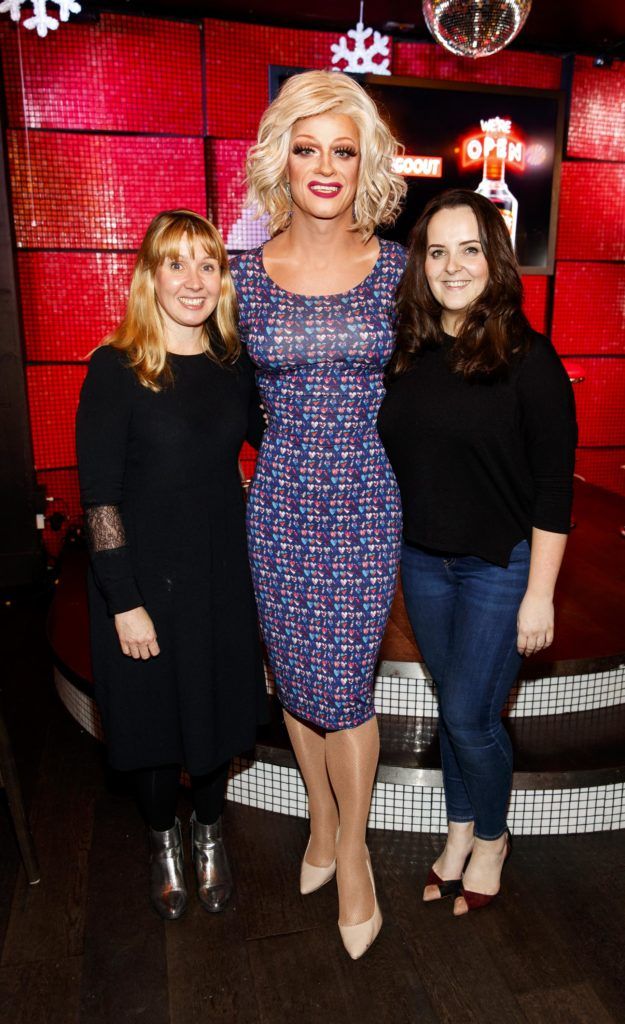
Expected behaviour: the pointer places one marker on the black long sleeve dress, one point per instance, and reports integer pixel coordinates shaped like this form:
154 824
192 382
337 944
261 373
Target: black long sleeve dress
165 520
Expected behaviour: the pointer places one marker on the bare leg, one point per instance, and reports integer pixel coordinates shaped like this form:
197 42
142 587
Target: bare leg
483 872
352 758
310 750
450 863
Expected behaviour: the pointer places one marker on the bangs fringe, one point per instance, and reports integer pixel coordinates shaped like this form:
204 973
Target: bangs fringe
141 334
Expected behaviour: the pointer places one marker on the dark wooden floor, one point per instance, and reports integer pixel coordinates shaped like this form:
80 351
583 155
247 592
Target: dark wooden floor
84 947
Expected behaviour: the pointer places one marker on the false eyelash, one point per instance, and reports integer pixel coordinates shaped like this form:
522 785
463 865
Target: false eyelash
301 148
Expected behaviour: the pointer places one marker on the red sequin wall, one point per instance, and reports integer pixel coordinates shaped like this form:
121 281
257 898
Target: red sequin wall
588 307
124 117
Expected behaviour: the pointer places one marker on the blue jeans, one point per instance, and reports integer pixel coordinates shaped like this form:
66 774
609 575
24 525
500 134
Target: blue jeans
463 611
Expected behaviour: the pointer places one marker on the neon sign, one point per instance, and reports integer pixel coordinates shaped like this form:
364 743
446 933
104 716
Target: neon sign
418 166
497 140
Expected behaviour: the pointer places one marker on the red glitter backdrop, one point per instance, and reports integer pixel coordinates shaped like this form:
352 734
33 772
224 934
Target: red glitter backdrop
132 115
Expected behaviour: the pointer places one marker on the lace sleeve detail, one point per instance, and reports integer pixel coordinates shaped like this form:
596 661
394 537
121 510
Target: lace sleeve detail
111 558
104 527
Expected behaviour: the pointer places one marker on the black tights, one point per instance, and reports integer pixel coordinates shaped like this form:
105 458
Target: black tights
156 792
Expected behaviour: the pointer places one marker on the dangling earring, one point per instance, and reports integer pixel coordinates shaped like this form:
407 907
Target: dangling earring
287 187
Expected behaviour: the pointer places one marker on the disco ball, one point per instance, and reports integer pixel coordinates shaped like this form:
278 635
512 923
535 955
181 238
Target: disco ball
475 28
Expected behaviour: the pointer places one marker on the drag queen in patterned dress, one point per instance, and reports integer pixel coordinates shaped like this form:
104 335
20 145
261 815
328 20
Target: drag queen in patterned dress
316 311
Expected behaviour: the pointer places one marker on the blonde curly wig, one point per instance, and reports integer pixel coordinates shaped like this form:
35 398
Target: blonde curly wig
380 191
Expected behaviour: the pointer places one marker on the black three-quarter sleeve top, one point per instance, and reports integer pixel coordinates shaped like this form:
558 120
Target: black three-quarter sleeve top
480 463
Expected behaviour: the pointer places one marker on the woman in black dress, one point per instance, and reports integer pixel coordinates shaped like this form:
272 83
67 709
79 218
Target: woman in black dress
479 426
178 674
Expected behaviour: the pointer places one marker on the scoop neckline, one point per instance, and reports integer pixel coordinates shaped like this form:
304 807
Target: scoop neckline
329 295
186 355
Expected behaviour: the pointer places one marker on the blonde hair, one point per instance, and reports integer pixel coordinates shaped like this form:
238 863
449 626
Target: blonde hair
141 334
380 191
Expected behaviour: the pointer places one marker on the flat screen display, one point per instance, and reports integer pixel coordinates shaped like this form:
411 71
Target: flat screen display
504 143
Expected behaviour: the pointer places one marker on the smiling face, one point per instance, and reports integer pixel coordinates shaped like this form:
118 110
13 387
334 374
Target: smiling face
455 265
322 169
187 290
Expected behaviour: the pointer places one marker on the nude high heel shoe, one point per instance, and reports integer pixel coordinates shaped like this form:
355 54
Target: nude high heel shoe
358 937
312 877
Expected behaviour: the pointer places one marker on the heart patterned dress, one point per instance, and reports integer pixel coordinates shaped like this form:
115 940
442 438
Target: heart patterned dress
324 514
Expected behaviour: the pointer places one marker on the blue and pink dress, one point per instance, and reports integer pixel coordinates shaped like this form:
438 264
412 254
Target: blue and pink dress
324 514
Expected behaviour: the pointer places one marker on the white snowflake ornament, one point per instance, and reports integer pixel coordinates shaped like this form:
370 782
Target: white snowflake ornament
41 20
359 58
12 7
67 7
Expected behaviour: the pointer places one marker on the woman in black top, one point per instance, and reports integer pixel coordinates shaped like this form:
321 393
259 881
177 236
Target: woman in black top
479 425
177 667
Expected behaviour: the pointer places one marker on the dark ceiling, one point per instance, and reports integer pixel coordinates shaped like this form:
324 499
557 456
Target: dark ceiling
556 26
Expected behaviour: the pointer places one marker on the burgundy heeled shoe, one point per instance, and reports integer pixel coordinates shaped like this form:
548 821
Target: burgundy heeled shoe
451 887
477 900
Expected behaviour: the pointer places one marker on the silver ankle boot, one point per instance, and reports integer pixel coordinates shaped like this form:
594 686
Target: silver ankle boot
168 891
214 878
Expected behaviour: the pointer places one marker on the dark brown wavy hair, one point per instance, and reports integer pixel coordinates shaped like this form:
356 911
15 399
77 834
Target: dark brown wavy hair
494 328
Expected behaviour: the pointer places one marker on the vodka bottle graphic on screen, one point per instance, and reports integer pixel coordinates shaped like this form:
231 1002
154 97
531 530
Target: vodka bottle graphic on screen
493 186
